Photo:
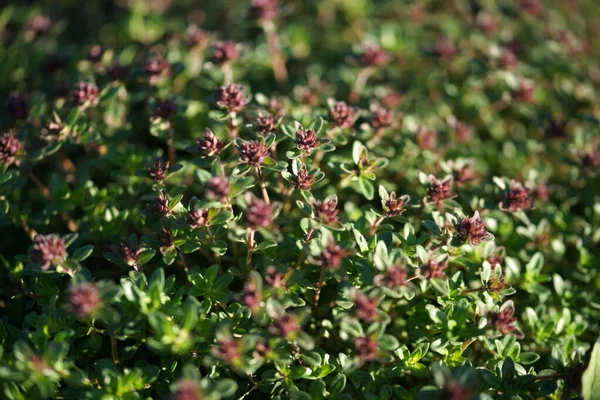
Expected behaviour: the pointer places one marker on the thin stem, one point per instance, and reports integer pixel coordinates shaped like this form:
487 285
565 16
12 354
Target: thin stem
250 245
233 126
437 246
227 73
263 187
466 344
319 287
375 225
300 260
114 350
309 234
171 146
217 257
359 85
185 266
279 68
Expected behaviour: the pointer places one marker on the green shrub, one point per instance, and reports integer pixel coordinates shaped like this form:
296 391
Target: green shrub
306 200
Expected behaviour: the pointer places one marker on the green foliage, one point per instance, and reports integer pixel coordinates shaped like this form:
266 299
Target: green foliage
304 200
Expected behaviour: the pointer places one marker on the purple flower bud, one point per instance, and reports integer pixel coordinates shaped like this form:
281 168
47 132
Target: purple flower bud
276 107
394 277
381 117
307 140
228 350
116 71
439 191
9 148
259 214
504 320
129 252
285 326
365 307
261 350
210 145
445 49
196 37
373 56
391 100
263 10
158 170
556 129
426 138
342 114
84 94
532 7
164 110
496 284
456 391
517 198
48 250
395 206
495 259
95 53
230 97
434 268
486 22
251 296
303 180
464 174
16 106
217 188
366 347
526 91
332 255
165 237
265 123
591 159
326 211
161 204
473 229
37 25
463 132
253 152
52 132
157 68
274 278
187 390
198 218
84 300
224 51
508 60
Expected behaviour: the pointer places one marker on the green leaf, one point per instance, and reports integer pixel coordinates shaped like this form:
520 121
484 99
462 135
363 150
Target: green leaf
226 387
82 253
366 188
312 358
432 227
267 244
338 384
5 177
316 124
169 255
361 241
388 342
145 256
219 247
590 381
527 358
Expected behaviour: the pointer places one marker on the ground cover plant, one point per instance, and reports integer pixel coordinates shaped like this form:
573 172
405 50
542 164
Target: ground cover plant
299 199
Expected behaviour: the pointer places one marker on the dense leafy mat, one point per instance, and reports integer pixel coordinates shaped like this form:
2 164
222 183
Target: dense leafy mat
324 199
